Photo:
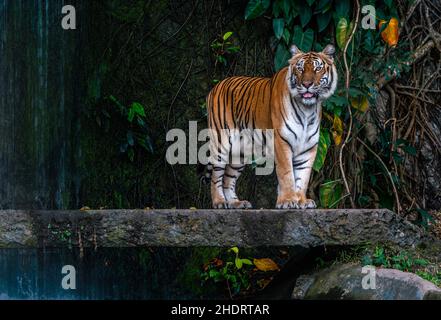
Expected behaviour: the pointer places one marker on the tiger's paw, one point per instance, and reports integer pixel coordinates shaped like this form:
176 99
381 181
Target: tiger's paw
240 204
308 204
288 204
221 204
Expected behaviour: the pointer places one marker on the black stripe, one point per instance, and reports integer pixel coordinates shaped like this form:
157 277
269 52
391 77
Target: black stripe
307 150
299 163
295 111
315 132
286 141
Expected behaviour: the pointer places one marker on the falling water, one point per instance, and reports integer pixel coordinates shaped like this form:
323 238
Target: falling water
41 96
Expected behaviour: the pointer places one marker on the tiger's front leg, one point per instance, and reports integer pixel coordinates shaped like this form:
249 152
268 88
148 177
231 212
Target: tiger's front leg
287 197
302 171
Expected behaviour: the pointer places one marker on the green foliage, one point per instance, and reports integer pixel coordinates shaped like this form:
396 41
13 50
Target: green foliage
424 263
324 143
130 122
223 47
235 272
256 8
389 258
330 194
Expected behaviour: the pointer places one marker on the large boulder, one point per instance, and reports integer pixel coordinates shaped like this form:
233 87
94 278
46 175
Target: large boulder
348 282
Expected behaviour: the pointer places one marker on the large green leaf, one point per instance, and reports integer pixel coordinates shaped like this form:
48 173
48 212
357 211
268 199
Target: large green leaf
286 36
286 7
330 193
255 8
323 20
278 25
303 40
282 56
322 150
305 15
323 6
342 8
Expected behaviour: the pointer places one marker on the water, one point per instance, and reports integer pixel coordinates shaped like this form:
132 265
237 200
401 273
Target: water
107 273
41 92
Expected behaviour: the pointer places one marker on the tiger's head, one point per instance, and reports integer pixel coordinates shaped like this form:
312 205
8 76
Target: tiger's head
312 76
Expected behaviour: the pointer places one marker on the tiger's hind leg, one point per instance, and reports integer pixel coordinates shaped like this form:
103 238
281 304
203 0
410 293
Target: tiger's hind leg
217 193
232 173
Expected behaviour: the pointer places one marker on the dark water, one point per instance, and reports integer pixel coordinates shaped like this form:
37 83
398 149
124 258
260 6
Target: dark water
118 273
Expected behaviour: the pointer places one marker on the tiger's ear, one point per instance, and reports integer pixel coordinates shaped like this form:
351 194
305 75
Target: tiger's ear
329 51
294 50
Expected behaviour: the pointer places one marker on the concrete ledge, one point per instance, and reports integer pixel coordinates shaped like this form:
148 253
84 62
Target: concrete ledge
182 228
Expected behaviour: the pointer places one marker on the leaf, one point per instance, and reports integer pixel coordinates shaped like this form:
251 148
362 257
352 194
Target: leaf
286 7
266 264
324 143
310 2
323 20
247 261
342 8
390 32
330 193
360 103
305 15
131 115
238 263
286 36
235 250
255 8
278 26
277 9
227 35
323 6
138 109
130 139
303 40
337 132
341 32
281 57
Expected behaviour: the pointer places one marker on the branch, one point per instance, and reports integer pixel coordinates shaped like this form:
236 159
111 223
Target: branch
348 76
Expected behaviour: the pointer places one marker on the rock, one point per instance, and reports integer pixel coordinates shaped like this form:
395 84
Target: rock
182 228
344 282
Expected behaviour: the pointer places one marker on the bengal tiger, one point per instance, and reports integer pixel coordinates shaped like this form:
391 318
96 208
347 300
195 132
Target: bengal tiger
290 104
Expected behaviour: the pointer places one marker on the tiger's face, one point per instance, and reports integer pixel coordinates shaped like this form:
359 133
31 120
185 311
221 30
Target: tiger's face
312 76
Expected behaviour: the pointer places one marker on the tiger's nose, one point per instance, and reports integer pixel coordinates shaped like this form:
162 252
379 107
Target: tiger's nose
307 84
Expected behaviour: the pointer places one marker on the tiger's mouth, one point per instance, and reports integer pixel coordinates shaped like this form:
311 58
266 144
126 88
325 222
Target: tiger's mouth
308 95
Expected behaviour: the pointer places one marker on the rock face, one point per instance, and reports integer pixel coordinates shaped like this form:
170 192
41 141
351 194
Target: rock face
181 228
346 282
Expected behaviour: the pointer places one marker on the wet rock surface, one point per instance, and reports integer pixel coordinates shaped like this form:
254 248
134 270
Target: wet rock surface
345 282
182 228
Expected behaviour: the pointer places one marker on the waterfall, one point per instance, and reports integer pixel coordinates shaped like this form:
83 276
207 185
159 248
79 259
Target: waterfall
41 97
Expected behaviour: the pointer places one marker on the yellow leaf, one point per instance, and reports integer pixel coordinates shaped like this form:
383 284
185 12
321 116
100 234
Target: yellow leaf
193 208
337 133
391 33
266 264
360 103
84 208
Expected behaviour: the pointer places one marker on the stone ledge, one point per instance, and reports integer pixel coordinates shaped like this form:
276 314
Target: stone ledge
183 228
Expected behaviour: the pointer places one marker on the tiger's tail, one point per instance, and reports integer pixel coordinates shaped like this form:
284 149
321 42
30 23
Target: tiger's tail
204 172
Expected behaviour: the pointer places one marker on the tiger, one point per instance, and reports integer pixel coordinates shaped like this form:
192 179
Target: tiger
289 103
